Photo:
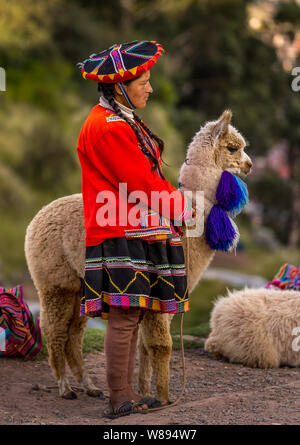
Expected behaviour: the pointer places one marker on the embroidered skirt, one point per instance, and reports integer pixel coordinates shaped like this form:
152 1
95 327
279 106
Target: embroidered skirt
135 273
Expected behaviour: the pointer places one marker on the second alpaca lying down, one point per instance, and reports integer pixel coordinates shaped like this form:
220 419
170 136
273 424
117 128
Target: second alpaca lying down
257 327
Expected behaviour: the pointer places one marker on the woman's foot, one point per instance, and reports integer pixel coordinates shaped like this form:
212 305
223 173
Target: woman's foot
150 402
137 398
117 397
122 409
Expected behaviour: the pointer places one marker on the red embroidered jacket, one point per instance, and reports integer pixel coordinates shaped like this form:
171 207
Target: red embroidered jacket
114 171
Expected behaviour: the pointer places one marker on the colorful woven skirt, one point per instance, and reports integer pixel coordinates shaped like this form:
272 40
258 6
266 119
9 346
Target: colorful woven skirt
135 273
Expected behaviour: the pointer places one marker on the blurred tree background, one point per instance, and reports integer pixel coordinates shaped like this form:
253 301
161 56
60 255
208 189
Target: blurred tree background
220 54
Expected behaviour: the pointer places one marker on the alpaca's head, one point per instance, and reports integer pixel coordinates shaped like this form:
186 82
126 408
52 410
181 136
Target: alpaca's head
228 146
218 144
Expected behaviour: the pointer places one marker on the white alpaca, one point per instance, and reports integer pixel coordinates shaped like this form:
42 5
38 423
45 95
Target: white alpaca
256 327
54 249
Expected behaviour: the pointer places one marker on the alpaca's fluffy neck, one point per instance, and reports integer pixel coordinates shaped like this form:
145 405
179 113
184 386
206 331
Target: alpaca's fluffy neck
200 171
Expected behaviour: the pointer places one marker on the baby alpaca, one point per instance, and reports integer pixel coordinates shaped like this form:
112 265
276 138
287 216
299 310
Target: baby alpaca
256 327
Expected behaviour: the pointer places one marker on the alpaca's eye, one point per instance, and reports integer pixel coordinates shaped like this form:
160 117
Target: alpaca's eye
232 149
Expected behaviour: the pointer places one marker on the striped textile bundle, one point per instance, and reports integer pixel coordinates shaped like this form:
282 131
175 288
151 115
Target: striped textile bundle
20 334
288 277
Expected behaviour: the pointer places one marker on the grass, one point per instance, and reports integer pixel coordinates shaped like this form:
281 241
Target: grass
12 235
202 330
13 227
201 304
262 261
187 344
93 341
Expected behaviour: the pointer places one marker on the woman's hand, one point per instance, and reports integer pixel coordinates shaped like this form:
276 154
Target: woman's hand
194 212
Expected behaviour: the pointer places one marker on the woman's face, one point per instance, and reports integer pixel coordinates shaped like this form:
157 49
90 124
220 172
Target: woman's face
138 91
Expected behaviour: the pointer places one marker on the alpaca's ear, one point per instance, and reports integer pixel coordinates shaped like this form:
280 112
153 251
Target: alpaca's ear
221 127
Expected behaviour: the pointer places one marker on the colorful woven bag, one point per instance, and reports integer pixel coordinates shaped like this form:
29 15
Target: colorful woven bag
20 334
287 277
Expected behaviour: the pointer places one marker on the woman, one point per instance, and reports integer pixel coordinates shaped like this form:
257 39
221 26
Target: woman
134 256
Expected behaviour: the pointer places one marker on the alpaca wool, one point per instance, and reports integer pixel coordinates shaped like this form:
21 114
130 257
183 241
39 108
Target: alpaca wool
254 326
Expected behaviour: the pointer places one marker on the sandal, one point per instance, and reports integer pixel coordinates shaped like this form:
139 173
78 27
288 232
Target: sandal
123 409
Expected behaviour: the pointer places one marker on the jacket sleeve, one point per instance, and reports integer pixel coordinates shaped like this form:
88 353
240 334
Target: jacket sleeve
118 157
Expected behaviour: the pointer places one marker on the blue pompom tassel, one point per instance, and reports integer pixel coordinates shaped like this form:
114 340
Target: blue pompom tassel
220 233
226 193
232 193
242 197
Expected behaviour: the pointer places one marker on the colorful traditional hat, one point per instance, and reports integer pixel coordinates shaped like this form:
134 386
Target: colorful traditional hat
121 62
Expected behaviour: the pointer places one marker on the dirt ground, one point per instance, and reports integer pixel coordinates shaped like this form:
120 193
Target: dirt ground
216 393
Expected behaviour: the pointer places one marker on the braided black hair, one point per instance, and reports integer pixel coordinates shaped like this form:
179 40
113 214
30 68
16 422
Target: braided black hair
107 90
159 141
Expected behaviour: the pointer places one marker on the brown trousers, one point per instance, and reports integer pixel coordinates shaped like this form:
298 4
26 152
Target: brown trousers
120 345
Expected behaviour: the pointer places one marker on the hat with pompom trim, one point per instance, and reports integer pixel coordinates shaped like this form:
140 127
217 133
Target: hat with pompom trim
121 62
